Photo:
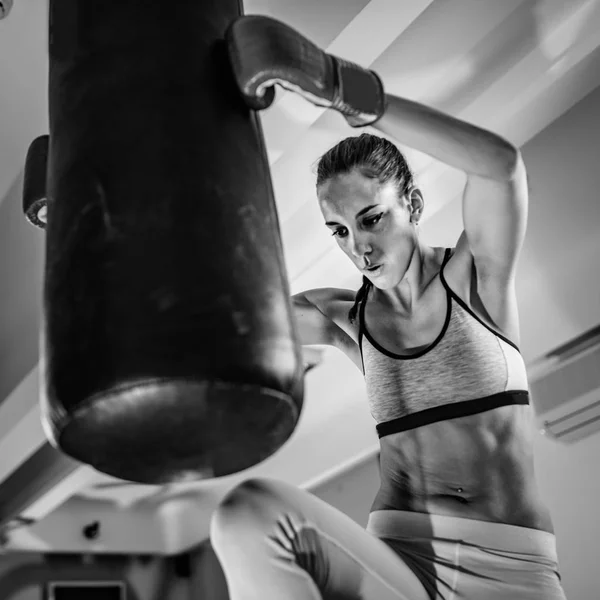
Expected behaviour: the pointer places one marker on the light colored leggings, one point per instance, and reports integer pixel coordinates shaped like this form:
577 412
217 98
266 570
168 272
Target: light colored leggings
277 542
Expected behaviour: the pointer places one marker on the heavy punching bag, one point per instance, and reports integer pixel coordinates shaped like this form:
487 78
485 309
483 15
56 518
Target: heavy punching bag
168 346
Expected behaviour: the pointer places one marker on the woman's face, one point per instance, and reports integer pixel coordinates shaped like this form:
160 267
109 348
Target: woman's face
371 224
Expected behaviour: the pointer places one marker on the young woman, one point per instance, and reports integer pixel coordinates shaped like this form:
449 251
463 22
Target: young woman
436 333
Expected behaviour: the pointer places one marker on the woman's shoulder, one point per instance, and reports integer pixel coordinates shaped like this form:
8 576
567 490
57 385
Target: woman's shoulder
334 304
456 264
323 297
494 306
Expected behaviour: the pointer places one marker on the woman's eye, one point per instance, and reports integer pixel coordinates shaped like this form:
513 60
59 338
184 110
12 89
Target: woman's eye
341 232
373 220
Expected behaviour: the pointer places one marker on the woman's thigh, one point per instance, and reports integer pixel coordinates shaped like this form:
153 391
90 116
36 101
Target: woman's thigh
275 541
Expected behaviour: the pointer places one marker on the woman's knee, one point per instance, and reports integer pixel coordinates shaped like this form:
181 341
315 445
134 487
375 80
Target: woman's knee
250 506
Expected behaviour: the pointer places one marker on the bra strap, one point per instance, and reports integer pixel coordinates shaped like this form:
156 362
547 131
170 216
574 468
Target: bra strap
447 256
361 327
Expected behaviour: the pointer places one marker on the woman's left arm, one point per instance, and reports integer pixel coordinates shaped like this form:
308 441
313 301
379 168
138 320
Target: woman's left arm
495 197
264 51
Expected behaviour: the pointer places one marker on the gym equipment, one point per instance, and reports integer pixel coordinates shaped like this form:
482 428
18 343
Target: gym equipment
35 203
168 347
264 52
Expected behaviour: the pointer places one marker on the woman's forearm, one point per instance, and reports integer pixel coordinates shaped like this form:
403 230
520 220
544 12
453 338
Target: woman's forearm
452 141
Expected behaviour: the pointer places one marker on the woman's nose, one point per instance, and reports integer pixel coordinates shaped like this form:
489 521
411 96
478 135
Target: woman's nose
360 248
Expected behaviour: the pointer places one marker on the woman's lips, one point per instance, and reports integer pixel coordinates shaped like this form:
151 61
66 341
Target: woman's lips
373 270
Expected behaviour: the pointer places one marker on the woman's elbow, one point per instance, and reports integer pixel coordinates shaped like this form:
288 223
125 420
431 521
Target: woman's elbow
509 164
515 166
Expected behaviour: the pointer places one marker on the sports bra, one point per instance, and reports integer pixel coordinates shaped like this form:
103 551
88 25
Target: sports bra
468 369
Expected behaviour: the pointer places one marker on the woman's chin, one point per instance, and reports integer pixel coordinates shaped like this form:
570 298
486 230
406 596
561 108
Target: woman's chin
383 283
386 281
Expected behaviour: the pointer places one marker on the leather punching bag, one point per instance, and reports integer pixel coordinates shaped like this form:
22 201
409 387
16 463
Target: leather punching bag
168 346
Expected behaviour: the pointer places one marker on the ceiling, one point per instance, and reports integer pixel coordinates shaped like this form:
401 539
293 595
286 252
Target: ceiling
491 63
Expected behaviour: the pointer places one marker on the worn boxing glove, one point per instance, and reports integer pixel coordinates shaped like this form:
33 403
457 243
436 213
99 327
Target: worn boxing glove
264 52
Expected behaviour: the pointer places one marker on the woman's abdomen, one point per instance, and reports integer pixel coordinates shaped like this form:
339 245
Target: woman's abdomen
479 467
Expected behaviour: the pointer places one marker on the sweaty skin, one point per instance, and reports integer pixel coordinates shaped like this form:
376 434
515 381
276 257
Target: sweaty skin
478 467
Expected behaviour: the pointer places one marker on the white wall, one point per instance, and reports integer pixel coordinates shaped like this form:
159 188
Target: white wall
353 492
559 296
22 257
570 481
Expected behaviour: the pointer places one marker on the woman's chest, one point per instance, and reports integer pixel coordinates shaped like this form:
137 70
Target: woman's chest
409 332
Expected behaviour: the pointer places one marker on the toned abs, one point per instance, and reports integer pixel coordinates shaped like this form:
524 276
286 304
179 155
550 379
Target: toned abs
477 467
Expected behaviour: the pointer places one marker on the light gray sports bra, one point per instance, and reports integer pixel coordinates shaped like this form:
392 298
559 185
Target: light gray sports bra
468 369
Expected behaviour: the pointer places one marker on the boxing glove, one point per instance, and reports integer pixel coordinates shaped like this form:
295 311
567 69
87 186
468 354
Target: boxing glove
264 52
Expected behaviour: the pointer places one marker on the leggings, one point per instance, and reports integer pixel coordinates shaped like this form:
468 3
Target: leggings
277 542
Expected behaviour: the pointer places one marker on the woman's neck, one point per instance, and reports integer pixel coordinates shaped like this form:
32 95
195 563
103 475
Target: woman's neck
422 267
